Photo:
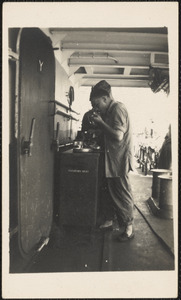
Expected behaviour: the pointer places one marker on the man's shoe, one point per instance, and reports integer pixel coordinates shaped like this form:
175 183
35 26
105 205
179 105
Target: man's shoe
125 237
107 225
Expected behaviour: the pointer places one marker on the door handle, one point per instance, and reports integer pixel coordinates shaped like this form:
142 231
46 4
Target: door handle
27 145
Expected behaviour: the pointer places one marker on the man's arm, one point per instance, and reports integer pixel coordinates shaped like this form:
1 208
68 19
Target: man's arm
112 133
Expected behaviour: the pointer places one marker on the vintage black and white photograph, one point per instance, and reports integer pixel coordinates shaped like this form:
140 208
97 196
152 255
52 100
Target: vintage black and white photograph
90 128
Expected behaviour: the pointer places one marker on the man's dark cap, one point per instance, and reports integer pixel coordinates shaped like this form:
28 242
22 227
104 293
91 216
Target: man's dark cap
96 93
102 85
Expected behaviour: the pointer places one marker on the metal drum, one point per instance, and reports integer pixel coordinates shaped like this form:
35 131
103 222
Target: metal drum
165 202
156 181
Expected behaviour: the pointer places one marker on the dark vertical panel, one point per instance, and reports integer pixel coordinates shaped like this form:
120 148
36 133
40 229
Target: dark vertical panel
36 171
79 188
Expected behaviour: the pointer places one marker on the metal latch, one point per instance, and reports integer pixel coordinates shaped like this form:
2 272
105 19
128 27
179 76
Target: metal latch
27 145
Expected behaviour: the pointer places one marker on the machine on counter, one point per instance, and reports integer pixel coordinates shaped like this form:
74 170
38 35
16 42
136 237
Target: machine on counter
88 141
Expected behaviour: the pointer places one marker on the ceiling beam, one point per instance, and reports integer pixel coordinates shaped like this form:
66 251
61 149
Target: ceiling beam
102 35
89 70
107 65
115 51
127 71
114 76
118 79
127 79
125 30
117 48
119 84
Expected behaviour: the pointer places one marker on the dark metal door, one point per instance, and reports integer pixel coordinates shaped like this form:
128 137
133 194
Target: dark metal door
37 79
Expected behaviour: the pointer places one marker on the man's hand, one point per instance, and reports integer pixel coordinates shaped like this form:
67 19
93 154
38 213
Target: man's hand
97 118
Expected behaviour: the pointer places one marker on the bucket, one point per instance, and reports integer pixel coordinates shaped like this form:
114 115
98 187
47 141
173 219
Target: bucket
156 181
165 201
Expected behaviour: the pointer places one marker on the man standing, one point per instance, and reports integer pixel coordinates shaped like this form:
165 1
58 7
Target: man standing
86 121
87 124
114 121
